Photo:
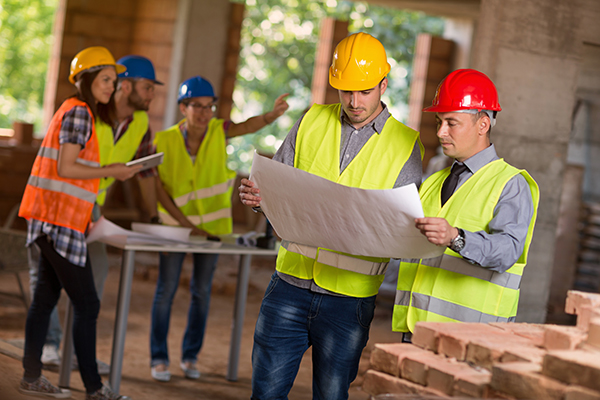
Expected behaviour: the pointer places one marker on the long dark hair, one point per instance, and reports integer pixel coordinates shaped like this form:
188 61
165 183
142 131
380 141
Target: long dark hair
106 112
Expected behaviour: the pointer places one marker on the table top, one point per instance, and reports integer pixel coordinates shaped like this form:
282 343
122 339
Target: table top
201 246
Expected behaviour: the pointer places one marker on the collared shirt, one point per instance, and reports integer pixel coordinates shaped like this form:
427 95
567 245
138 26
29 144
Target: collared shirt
352 141
502 246
76 128
145 148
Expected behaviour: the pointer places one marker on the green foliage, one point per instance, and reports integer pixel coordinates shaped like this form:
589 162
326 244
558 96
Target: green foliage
25 44
279 40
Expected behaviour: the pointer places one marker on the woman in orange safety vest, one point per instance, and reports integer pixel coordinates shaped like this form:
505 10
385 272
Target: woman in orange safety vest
57 204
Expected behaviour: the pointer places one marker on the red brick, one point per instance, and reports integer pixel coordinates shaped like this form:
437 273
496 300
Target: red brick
386 357
473 384
580 393
376 382
559 337
593 338
426 335
525 353
585 314
484 351
574 367
534 332
577 299
442 374
524 381
414 367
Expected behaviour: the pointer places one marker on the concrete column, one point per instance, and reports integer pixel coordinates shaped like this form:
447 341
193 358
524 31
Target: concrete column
530 49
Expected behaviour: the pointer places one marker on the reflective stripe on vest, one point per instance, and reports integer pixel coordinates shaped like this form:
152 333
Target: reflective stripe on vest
214 190
201 189
376 166
49 152
459 265
448 288
121 152
337 260
54 199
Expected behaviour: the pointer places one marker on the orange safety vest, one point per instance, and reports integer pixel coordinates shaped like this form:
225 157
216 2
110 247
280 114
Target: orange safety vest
51 198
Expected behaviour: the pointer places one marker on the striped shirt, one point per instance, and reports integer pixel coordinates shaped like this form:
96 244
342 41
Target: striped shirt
76 128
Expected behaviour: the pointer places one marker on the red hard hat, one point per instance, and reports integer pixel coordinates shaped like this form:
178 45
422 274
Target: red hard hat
465 89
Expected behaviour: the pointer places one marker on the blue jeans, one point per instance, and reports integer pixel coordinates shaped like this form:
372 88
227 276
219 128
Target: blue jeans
168 280
290 321
54 274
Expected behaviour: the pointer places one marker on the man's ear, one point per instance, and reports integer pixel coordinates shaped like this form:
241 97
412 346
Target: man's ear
383 86
483 125
182 109
126 87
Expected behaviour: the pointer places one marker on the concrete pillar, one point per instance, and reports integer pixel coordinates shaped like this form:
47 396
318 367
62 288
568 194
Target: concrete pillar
530 49
200 41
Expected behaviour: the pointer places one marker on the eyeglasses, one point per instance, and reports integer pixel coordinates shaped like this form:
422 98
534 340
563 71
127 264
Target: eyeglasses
200 107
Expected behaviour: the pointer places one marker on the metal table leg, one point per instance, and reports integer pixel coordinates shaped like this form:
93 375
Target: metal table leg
64 371
239 309
116 360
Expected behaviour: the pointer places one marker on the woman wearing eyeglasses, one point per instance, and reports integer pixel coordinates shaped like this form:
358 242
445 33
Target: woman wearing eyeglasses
194 191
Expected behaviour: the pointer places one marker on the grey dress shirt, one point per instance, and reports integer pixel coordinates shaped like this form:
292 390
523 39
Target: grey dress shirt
352 141
502 246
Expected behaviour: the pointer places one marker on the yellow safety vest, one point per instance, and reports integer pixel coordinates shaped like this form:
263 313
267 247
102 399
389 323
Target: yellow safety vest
448 288
121 152
376 166
202 189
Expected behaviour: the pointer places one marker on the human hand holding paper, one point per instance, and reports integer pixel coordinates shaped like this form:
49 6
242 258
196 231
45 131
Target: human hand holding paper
310 210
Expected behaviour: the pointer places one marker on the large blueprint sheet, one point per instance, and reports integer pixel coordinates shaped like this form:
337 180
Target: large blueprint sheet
310 210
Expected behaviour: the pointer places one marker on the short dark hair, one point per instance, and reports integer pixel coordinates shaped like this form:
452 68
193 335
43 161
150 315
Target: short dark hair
106 112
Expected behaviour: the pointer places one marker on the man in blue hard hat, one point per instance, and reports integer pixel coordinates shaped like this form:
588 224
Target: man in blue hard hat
194 191
129 138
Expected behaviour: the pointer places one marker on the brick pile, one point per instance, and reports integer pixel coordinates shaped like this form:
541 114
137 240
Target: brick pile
495 360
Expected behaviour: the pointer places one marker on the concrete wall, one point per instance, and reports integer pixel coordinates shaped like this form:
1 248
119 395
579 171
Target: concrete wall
151 28
532 50
584 147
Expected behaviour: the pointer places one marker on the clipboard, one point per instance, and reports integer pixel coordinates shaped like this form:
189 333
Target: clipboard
148 162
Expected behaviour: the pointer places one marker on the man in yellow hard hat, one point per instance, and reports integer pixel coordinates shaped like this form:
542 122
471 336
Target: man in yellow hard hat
316 301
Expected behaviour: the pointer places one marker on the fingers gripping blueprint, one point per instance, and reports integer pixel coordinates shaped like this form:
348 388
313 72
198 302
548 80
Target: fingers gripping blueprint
314 211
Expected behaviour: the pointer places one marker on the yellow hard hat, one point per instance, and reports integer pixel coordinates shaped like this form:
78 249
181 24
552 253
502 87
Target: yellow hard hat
359 63
90 57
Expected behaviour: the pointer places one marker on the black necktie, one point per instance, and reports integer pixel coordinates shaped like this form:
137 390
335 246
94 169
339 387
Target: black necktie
451 181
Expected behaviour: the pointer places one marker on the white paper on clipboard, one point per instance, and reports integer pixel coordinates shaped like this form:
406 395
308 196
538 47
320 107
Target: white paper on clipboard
148 162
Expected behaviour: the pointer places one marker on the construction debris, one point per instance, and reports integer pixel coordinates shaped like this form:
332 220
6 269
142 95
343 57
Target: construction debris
495 360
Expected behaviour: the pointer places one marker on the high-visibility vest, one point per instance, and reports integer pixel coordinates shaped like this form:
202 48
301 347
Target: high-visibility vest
448 288
51 198
201 189
121 152
376 166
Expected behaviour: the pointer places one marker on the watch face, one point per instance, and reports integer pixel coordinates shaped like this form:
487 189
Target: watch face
458 244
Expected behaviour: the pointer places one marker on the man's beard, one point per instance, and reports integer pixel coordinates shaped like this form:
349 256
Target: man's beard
135 101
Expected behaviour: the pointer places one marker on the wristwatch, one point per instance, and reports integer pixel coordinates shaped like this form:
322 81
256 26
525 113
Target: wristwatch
458 243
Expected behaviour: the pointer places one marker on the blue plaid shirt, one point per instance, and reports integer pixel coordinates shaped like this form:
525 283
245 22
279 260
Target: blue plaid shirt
76 128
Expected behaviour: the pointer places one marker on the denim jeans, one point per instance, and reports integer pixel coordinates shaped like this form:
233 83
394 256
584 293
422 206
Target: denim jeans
55 273
99 259
170 265
291 320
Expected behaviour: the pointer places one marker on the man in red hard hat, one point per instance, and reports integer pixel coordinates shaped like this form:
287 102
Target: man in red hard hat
482 210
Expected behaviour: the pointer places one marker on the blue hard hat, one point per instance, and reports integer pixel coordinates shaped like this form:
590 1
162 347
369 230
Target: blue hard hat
138 67
195 86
